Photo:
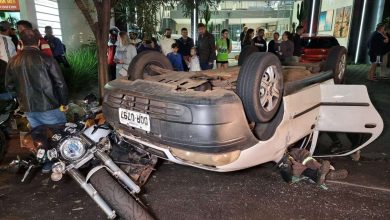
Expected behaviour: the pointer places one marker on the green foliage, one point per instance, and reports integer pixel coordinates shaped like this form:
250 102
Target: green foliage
139 13
83 73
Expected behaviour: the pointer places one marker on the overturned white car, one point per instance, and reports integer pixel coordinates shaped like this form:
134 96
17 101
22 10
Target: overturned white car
239 118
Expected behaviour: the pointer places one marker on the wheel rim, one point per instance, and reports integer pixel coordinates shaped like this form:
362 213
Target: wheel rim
269 89
341 67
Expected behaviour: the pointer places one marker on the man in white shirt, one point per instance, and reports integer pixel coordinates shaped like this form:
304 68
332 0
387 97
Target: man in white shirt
166 42
7 47
7 50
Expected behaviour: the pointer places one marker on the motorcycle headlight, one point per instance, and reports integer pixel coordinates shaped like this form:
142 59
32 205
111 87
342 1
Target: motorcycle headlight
72 148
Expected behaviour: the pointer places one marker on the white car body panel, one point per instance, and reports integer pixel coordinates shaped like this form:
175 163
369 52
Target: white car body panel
319 107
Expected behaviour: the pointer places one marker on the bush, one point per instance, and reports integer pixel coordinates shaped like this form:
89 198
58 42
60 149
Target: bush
83 72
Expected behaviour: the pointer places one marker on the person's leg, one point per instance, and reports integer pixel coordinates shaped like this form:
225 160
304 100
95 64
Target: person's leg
204 66
225 65
371 72
49 118
219 65
385 59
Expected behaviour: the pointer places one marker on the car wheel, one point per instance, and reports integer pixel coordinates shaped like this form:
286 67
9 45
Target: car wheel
139 66
337 62
245 53
260 86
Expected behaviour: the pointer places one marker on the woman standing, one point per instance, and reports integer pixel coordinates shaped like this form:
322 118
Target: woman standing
286 48
250 33
224 47
124 54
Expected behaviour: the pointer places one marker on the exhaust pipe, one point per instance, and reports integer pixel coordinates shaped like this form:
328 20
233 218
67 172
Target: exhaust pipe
76 175
117 172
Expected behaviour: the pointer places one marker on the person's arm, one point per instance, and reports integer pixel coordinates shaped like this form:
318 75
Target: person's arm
212 56
265 46
9 81
230 46
11 48
58 81
45 47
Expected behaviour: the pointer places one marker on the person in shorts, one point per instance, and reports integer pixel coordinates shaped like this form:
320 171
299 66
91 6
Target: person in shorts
224 47
376 49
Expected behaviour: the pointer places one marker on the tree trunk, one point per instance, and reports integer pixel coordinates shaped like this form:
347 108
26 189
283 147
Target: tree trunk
100 30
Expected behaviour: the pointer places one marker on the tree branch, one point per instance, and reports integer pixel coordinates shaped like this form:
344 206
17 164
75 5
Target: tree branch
84 10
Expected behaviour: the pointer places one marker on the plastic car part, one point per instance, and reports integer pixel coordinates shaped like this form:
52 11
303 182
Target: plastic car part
206 158
245 53
336 62
260 86
139 66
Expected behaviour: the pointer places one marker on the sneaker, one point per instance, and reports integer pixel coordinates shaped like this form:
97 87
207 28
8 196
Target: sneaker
337 174
47 167
322 172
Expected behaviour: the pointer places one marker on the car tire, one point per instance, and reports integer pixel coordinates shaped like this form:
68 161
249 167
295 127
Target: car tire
116 196
245 53
138 67
260 86
336 61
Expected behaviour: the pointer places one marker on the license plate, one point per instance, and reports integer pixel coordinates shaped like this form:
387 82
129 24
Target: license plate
134 119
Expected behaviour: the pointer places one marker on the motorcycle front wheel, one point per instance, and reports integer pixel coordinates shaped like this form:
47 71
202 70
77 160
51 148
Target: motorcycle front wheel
117 197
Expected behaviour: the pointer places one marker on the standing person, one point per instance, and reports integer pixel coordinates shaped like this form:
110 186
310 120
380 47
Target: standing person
286 48
39 84
125 52
193 63
224 47
166 42
112 45
385 59
56 46
134 40
185 44
206 48
7 50
242 35
248 39
42 43
376 49
175 58
259 41
274 44
7 47
14 37
297 43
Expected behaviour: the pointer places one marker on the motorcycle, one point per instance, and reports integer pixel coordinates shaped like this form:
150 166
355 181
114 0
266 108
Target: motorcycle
7 122
90 144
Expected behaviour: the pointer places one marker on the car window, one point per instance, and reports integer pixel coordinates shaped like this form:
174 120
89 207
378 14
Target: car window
319 42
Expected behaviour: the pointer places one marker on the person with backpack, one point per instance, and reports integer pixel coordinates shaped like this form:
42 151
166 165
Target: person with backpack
224 47
56 46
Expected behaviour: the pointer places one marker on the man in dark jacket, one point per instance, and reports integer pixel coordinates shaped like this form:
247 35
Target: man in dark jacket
38 82
377 46
297 41
206 48
56 46
259 41
185 44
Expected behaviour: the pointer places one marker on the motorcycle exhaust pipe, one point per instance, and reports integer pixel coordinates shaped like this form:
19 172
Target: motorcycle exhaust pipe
80 179
117 172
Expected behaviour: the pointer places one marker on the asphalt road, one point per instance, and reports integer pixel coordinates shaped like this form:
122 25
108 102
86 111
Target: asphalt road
180 192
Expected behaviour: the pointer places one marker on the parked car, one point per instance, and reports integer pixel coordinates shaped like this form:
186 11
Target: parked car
241 117
316 48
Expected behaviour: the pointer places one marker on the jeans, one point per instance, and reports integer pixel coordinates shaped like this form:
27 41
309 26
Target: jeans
50 117
206 66
7 96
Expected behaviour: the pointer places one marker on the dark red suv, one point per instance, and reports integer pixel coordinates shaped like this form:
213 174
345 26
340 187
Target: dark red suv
315 48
